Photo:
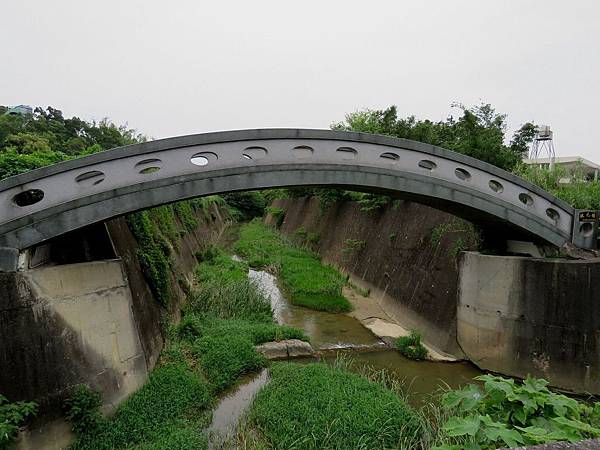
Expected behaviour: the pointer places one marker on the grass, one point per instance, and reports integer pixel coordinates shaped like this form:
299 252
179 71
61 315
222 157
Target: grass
305 280
212 346
167 405
318 406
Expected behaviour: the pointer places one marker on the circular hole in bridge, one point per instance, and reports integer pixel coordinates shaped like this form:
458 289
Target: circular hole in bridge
525 199
254 152
462 174
202 159
586 229
346 152
390 156
553 214
147 166
427 164
496 186
91 178
302 151
28 197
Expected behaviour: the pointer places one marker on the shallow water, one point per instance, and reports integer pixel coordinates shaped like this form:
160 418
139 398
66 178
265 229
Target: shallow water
330 332
233 404
420 378
325 330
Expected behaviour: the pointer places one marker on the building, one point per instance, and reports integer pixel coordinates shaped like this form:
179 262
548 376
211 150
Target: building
575 166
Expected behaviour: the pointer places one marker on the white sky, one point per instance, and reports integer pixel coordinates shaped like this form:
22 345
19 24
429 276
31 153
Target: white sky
181 66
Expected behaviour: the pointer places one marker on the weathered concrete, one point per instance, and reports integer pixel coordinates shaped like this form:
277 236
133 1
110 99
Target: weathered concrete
45 203
288 348
67 325
521 316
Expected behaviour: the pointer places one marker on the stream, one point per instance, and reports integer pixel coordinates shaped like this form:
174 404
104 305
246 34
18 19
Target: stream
333 334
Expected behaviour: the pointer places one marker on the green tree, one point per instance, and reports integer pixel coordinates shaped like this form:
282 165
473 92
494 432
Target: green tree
478 132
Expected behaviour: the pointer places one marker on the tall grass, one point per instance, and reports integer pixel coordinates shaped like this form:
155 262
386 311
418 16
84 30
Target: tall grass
318 406
305 280
165 408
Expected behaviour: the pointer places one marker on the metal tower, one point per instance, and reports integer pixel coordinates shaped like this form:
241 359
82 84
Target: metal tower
542 146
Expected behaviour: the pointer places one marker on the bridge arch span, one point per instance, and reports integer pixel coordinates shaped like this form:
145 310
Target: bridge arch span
47 202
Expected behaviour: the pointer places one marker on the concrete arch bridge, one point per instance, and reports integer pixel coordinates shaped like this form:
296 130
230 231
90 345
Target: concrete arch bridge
45 203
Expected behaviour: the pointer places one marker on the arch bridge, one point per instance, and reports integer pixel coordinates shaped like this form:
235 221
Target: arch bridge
47 202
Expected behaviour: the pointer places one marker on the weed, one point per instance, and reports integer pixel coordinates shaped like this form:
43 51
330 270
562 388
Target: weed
83 410
353 245
12 416
411 347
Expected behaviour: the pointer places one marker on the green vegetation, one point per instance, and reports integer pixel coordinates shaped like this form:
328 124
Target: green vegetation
166 407
305 280
12 416
578 192
226 316
278 214
464 234
317 406
246 205
353 245
46 137
478 132
508 413
83 410
411 347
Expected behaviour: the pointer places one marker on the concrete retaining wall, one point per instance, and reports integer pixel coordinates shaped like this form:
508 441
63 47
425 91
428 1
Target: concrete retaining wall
66 325
521 316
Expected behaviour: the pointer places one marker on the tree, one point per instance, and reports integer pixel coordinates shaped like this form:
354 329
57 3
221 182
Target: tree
478 132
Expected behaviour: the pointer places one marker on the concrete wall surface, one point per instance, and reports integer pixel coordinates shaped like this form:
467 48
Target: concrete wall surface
62 326
521 316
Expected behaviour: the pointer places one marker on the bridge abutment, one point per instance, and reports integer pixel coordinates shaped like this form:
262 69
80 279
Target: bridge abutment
536 316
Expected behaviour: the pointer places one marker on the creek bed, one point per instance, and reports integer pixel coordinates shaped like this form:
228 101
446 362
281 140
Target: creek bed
332 335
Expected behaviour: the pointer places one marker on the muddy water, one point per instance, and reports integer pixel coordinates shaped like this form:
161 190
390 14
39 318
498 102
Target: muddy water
325 330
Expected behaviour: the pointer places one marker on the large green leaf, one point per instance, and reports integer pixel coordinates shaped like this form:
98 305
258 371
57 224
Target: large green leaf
465 399
461 426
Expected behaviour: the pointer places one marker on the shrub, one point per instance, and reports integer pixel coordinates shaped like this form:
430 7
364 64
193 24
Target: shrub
250 204
83 411
316 406
12 416
411 347
353 245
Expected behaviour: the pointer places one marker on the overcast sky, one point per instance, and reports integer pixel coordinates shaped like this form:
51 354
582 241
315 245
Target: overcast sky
181 66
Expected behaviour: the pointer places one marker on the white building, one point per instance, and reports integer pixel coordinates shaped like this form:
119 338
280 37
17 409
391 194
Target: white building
574 165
